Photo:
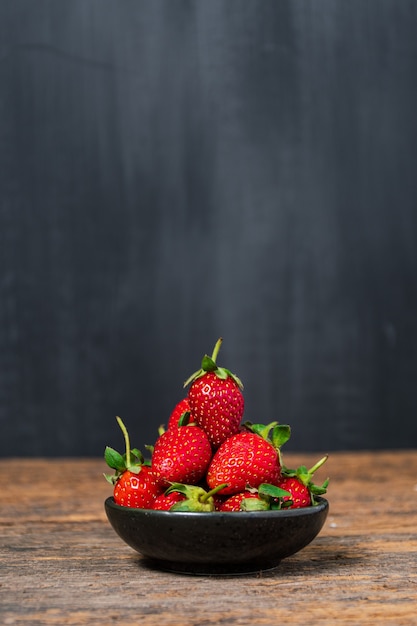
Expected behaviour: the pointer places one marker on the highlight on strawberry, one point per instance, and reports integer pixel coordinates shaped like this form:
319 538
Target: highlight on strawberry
209 460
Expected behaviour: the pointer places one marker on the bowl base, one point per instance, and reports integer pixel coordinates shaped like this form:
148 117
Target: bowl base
209 569
216 543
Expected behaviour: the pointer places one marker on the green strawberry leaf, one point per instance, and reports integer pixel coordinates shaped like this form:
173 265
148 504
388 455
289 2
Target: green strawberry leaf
261 429
315 490
303 474
280 435
198 374
114 459
194 505
179 488
207 364
319 490
183 506
286 472
284 504
275 505
272 491
184 419
237 380
254 504
138 456
111 478
221 373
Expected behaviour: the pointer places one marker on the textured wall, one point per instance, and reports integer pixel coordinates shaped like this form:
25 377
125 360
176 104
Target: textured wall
175 171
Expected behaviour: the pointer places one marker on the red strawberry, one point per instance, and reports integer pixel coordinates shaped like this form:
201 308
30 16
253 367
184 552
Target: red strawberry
248 459
182 407
137 490
165 501
233 503
300 495
218 501
215 398
266 498
300 486
181 455
134 482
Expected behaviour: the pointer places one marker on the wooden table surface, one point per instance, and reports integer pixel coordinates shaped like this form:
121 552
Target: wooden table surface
62 563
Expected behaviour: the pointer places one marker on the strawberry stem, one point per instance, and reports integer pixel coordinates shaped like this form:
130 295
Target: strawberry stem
217 349
127 440
318 464
208 364
213 492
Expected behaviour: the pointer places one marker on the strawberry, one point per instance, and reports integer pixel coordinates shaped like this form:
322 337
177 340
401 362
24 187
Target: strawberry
181 454
266 497
138 490
233 503
164 502
180 408
248 458
134 483
300 486
215 398
219 501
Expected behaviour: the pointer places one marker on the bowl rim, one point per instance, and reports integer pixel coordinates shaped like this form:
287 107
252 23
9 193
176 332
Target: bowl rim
322 504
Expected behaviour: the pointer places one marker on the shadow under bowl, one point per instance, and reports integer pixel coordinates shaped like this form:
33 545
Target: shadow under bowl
217 543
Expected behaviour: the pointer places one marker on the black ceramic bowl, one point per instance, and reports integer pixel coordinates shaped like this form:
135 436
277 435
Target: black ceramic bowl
217 543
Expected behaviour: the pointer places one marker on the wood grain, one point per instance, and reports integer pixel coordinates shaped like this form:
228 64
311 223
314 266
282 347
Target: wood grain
62 564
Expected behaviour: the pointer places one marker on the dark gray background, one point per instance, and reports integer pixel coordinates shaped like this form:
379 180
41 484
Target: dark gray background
175 171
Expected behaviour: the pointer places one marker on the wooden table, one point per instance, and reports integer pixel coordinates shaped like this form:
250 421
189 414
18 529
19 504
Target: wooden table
63 564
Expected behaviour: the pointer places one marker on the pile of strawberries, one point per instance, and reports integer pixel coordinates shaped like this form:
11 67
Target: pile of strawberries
208 459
